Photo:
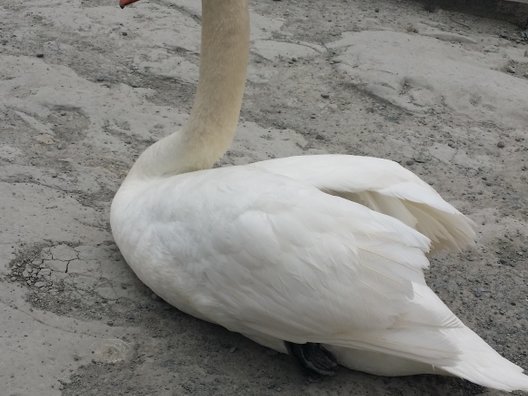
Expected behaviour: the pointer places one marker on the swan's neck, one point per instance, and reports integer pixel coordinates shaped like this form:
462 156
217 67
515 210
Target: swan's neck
214 117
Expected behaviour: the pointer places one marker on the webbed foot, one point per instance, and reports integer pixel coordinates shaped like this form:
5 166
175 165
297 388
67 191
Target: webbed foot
313 357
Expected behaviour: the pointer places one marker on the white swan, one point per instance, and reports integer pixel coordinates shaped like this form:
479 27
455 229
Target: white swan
278 250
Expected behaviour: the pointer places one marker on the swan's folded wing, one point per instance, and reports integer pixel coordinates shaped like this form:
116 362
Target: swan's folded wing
296 264
383 186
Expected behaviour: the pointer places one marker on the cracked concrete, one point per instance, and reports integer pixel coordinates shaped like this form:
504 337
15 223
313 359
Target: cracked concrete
85 87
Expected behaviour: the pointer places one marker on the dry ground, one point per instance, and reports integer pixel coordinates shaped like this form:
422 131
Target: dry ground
85 87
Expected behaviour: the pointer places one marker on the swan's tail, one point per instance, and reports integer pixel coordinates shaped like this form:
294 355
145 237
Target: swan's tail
431 334
456 351
480 364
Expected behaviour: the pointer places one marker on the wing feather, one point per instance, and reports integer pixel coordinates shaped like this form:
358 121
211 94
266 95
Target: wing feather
280 258
383 186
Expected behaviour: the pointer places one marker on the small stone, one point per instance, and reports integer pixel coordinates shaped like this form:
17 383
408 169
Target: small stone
501 145
124 33
409 162
411 29
325 96
40 284
13 278
44 138
45 272
510 69
25 274
39 55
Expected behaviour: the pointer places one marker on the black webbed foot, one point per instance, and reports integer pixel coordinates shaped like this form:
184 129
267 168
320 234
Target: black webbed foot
313 357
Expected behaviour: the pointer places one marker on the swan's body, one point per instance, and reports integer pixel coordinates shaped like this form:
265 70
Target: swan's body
325 249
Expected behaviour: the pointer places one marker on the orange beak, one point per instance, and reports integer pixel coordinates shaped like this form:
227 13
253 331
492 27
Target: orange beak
124 3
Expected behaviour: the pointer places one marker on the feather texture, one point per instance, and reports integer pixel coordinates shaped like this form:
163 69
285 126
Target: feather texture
383 186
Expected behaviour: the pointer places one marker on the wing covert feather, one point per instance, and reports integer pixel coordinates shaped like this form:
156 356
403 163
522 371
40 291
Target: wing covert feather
383 186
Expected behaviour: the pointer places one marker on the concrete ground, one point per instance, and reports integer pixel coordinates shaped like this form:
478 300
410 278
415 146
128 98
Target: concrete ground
85 87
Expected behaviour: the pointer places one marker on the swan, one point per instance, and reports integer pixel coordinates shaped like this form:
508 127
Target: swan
321 257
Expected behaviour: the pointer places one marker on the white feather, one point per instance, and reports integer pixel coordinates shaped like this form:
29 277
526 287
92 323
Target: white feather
383 186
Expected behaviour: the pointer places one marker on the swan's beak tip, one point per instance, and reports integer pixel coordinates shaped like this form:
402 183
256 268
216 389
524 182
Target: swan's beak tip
124 3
